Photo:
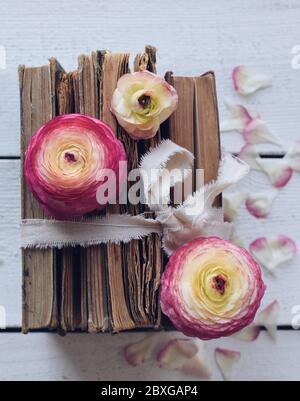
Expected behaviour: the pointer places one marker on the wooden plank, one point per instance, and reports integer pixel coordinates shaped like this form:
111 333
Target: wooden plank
39 295
283 219
224 44
10 254
85 357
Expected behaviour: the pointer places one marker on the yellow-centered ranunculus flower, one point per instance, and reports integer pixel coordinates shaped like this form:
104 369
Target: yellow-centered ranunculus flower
66 163
211 288
141 102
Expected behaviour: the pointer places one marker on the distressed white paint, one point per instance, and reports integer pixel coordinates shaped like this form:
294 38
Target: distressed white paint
2 317
10 258
99 357
283 219
191 37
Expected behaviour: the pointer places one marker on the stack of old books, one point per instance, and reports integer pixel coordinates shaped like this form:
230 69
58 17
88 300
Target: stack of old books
111 287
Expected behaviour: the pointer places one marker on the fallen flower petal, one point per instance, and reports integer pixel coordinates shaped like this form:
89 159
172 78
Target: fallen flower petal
239 118
292 157
247 81
211 288
176 353
226 360
268 318
273 252
260 204
253 128
199 365
231 203
141 102
249 155
256 131
248 334
278 171
139 352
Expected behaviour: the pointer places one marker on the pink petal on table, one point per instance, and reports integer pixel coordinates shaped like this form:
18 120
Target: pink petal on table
278 171
232 201
247 81
292 157
273 252
198 366
141 351
226 360
268 318
260 204
248 334
239 117
256 131
249 154
176 353
253 128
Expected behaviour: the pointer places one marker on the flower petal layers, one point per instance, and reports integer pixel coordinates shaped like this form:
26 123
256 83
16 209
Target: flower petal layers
211 288
141 102
67 161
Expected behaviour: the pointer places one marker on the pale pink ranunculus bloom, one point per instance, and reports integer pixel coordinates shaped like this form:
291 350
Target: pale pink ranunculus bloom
65 164
211 288
141 102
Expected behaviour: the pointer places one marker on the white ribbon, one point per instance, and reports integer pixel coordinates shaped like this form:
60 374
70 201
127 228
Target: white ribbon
195 217
39 233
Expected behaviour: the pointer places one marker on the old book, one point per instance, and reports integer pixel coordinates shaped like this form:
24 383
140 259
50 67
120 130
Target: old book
39 266
109 287
195 123
207 143
72 273
83 283
114 66
133 269
152 253
93 266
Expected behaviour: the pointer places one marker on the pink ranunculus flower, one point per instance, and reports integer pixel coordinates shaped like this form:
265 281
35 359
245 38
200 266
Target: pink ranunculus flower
211 288
66 163
141 102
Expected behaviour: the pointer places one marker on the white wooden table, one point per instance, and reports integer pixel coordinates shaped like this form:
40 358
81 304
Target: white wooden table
192 37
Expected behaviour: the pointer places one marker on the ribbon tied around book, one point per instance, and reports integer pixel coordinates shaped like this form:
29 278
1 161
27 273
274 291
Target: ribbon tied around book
195 217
